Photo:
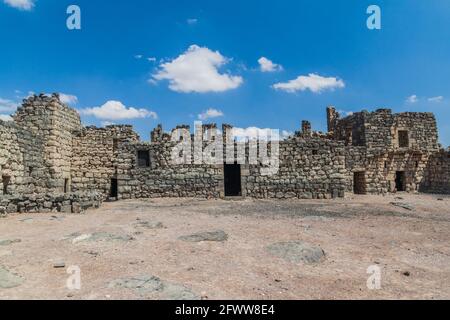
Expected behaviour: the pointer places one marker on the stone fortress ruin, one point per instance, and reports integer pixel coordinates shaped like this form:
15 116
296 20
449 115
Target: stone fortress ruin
50 162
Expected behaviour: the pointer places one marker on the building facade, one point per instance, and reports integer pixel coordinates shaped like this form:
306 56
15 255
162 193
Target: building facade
50 162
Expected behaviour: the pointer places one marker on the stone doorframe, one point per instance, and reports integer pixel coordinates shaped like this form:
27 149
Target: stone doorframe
245 173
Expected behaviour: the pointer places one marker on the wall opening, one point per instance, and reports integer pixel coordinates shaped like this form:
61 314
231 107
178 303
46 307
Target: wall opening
359 183
143 158
66 185
115 144
6 180
113 193
403 139
400 181
232 179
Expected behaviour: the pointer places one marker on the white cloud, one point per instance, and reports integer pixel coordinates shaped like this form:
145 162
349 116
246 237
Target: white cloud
116 110
251 133
312 82
8 105
412 99
151 59
68 99
436 99
192 21
345 113
196 70
138 56
210 113
20 4
5 117
107 123
266 65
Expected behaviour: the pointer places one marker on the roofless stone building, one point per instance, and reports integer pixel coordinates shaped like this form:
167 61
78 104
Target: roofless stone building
50 162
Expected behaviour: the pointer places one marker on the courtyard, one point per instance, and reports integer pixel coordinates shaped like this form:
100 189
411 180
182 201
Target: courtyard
232 249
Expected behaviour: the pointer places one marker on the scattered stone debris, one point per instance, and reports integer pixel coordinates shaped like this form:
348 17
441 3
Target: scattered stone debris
59 264
9 242
8 279
148 285
97 236
297 252
81 238
26 220
149 225
216 236
403 205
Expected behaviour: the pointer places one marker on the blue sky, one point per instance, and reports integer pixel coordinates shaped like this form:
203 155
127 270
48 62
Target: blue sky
172 61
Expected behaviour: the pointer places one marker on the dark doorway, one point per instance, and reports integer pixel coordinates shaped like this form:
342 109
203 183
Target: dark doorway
114 190
400 181
6 181
359 183
232 175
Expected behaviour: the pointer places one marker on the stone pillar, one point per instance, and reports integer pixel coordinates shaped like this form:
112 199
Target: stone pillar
332 117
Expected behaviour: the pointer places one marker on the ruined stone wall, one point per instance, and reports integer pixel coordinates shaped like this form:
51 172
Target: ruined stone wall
53 122
310 168
95 154
380 169
22 163
380 130
437 174
162 178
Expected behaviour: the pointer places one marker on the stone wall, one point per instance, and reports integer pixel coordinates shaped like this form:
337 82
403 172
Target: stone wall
309 168
52 122
95 153
22 162
380 129
76 202
437 174
50 162
162 178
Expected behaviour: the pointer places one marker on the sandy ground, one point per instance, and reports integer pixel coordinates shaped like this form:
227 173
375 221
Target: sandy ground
136 244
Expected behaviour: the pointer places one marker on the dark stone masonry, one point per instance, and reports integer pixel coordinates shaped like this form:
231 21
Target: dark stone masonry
50 162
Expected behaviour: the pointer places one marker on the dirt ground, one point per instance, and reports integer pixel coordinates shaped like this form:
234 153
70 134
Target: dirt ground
135 250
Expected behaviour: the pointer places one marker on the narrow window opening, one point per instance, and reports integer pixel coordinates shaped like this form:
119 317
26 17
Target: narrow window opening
6 180
66 185
115 145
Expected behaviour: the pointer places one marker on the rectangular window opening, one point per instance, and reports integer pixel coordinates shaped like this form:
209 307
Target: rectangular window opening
403 139
144 158
6 180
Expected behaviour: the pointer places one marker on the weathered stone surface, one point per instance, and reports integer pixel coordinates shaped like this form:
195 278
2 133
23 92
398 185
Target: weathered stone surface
98 236
9 242
149 225
297 252
215 236
151 285
403 205
8 279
